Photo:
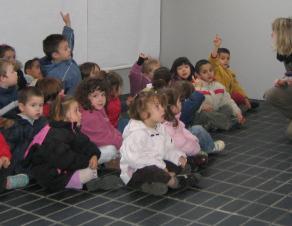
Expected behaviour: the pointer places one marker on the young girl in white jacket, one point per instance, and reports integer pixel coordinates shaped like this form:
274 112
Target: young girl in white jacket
149 159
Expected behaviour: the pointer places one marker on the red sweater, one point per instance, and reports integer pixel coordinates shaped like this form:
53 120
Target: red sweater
4 148
113 110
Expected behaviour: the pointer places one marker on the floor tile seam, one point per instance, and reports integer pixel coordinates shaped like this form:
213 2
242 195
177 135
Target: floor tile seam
31 213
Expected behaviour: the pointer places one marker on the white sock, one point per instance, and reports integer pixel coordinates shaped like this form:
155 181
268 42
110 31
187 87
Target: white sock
87 174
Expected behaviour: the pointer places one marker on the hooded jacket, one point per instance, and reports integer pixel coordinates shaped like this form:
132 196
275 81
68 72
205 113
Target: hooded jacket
64 150
182 138
143 146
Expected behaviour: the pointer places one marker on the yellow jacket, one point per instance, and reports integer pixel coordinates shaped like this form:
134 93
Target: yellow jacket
226 77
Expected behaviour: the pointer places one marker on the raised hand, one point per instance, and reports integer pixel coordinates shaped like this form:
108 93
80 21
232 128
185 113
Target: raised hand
217 41
66 19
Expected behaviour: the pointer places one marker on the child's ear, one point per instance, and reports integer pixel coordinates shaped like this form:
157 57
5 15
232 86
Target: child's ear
55 55
21 107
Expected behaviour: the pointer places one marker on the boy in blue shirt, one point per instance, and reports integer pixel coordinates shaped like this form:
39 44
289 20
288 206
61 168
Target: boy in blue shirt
58 62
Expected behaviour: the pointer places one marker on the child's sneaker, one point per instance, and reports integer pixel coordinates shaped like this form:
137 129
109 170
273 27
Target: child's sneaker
17 181
198 161
154 188
105 183
191 180
219 146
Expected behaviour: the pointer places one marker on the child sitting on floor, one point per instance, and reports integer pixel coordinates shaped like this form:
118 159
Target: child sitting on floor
218 111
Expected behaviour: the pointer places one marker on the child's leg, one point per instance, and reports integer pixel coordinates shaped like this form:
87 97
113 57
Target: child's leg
81 177
17 181
107 153
205 140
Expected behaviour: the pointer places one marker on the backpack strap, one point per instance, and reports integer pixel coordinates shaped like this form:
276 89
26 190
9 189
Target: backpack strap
38 138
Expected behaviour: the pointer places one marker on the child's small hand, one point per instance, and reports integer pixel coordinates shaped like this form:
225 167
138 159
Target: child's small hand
207 108
93 162
143 55
280 83
66 19
240 118
129 100
247 103
183 161
217 41
4 162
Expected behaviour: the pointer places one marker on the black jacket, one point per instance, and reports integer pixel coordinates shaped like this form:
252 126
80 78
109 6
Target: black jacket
19 136
64 150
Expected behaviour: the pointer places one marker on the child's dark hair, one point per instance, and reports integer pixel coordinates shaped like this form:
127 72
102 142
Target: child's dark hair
4 48
88 86
184 89
114 80
161 78
51 87
172 96
199 64
60 108
51 44
223 50
178 62
28 64
86 68
139 104
27 92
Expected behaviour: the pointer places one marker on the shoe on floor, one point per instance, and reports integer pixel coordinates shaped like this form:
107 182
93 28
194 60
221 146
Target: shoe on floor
191 180
105 183
219 146
17 181
154 188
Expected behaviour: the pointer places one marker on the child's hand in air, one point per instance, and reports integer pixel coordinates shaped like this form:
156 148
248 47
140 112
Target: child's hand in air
93 162
183 161
143 55
66 19
4 162
217 41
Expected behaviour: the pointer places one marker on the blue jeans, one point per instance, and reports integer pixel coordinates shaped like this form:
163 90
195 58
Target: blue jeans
205 140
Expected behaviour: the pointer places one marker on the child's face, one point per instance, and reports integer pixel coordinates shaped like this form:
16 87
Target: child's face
73 113
64 52
33 108
206 73
176 108
35 70
10 79
9 55
156 112
224 59
97 99
184 71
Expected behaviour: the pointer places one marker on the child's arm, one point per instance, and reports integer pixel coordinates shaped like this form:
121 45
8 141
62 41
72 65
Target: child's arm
68 31
217 43
5 154
190 106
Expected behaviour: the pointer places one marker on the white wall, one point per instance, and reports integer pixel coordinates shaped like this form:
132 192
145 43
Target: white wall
111 33
188 28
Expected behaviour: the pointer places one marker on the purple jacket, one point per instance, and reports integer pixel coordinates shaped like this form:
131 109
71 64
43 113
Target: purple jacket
96 125
138 80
